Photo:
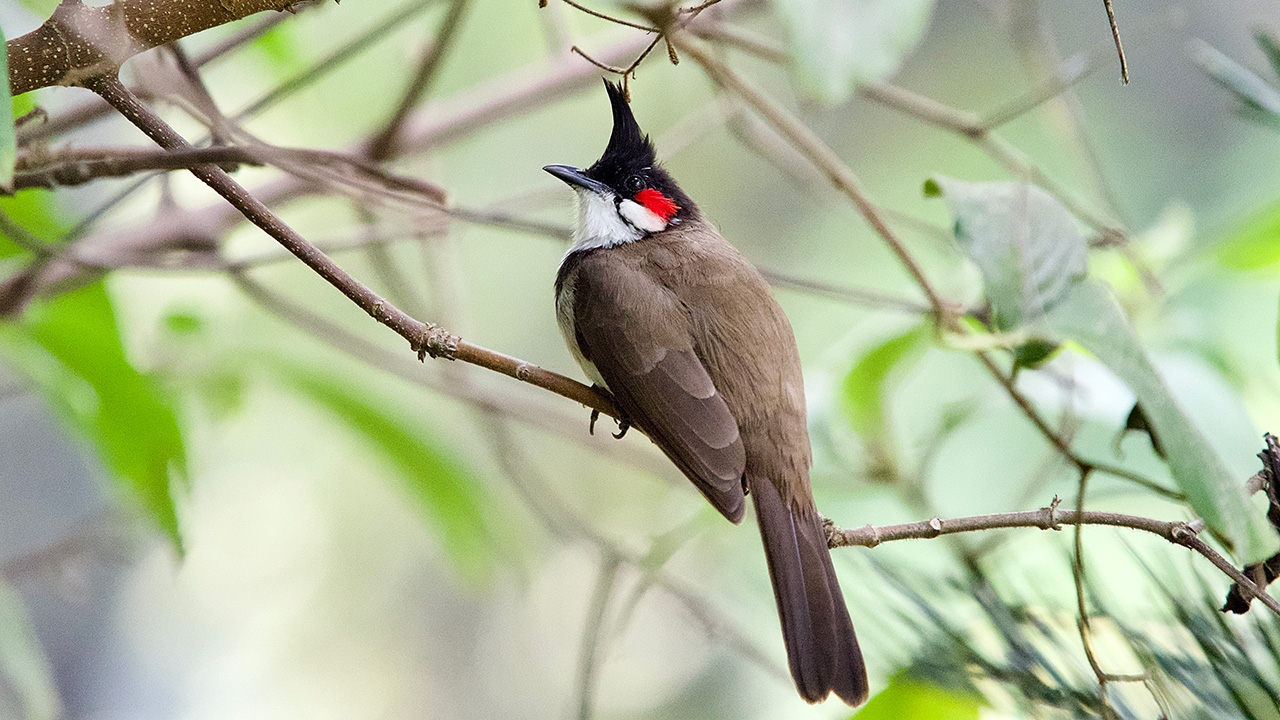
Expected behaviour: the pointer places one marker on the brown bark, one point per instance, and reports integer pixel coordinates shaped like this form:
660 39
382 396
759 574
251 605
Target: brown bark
79 42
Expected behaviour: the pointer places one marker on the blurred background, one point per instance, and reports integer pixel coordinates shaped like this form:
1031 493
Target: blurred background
226 493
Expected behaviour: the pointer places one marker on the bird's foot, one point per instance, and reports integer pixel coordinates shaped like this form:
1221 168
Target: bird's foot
624 423
623 426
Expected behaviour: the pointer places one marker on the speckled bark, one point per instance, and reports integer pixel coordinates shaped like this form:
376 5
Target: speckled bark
79 42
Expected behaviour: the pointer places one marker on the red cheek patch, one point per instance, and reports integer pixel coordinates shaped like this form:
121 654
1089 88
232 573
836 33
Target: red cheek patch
657 203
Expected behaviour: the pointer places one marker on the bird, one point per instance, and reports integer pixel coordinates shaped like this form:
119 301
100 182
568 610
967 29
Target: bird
684 334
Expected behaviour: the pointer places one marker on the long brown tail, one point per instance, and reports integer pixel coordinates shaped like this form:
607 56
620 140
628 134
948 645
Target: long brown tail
821 648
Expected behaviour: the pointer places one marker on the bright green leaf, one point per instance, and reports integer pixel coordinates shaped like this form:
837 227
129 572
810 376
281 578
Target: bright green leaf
453 499
280 48
70 346
907 698
8 141
27 691
1255 245
837 45
1025 244
866 385
1091 317
33 212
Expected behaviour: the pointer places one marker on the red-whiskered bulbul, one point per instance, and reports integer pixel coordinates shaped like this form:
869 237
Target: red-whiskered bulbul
665 314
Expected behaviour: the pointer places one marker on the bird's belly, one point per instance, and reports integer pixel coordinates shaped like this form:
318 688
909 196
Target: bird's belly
564 318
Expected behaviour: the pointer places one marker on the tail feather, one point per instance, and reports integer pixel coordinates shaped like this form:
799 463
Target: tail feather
821 647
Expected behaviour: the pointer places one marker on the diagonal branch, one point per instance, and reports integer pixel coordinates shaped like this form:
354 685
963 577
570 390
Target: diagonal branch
424 338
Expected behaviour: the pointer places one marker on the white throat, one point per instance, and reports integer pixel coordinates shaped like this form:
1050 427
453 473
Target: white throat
604 222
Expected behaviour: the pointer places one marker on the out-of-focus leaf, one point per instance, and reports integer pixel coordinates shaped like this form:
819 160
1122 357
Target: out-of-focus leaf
1025 244
70 346
1256 244
1136 421
866 384
837 45
1270 47
1091 317
33 211
453 500
907 698
41 8
280 48
1256 96
8 142
27 691
1034 353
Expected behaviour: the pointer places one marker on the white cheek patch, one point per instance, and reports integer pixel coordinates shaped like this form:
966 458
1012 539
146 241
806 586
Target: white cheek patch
641 216
599 225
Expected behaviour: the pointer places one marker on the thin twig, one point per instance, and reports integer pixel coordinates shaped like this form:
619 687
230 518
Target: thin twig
1082 612
383 144
75 167
349 50
1115 34
589 649
813 148
1049 518
610 18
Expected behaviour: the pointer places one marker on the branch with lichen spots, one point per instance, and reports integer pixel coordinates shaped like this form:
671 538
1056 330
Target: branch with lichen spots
79 42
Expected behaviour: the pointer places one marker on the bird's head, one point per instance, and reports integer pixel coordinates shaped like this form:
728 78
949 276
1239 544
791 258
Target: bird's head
626 194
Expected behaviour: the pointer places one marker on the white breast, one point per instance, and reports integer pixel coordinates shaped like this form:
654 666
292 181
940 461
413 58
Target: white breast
599 224
564 317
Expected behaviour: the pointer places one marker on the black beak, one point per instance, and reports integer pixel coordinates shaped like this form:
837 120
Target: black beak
576 178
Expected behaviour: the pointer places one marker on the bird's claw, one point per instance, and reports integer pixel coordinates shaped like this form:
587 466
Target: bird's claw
591 427
623 426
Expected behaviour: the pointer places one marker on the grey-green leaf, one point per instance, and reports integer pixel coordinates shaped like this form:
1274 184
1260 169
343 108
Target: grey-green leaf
1258 99
1025 244
837 45
1089 315
27 690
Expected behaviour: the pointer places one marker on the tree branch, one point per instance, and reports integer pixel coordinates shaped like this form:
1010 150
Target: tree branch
424 338
1177 532
80 43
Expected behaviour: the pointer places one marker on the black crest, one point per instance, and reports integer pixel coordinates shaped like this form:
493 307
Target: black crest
630 154
628 146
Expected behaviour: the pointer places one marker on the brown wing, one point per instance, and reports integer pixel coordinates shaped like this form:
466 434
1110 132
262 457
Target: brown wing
637 334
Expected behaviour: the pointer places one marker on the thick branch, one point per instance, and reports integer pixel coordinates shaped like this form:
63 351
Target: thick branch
79 43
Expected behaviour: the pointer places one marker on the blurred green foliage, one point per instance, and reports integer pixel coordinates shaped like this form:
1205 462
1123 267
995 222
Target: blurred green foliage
70 347
453 499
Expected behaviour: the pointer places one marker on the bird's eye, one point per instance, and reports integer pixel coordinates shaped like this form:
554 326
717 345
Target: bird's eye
634 184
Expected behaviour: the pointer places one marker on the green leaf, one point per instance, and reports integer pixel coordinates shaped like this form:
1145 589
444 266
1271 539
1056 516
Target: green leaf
1258 99
453 499
908 698
27 691
70 346
1256 244
1035 352
8 140
837 45
1025 244
1090 316
866 385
